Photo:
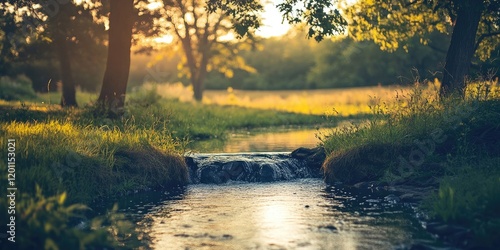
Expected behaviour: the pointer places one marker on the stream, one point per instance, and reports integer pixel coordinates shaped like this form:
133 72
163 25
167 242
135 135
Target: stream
297 212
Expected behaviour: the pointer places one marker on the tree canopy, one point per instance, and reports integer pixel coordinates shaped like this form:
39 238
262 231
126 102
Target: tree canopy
474 24
206 40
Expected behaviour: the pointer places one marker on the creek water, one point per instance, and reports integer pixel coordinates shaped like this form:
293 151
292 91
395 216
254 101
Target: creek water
294 214
280 140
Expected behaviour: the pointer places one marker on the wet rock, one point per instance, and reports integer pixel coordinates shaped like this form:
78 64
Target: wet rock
302 153
409 197
329 228
455 235
268 173
237 170
314 158
212 175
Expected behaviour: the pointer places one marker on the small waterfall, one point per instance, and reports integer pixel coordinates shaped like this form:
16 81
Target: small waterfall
251 167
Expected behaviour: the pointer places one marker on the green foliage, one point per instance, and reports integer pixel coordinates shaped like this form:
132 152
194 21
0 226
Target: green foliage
347 63
410 117
319 15
45 223
29 47
279 63
17 89
200 39
293 62
245 13
391 24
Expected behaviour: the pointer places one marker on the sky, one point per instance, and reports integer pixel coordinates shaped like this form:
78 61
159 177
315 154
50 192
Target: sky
272 23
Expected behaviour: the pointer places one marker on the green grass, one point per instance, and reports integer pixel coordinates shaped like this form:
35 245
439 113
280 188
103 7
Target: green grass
89 162
470 197
453 141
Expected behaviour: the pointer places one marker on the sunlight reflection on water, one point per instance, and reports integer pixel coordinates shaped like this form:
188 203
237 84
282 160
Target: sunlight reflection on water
302 214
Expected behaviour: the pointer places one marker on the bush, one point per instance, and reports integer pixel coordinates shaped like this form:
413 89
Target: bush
18 89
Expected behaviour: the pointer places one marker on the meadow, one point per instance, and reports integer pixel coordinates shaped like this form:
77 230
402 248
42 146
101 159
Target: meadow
331 102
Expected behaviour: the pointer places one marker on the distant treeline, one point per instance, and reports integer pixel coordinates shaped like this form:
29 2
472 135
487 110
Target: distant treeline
297 63
294 62
288 62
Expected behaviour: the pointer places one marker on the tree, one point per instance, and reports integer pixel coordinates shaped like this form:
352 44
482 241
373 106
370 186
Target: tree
68 30
205 39
475 26
129 22
114 85
65 29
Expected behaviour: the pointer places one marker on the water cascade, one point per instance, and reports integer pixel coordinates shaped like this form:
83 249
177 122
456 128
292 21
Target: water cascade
254 167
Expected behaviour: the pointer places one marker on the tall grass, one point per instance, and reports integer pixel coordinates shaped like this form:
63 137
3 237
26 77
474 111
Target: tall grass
416 139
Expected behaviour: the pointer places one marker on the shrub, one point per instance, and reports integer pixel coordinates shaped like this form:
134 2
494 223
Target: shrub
18 89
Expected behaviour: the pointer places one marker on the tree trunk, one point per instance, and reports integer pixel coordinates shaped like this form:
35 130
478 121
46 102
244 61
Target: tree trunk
198 89
461 50
68 98
115 80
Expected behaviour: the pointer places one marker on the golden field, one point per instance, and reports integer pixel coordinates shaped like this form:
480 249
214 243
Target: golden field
343 102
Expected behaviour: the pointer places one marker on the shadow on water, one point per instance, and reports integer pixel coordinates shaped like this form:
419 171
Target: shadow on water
300 214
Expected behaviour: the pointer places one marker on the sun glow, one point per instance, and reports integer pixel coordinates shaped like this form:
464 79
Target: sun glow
166 39
273 24
154 5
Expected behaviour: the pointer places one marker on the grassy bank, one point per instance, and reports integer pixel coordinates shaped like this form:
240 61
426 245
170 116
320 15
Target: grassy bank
452 144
